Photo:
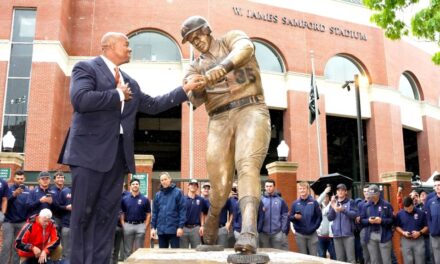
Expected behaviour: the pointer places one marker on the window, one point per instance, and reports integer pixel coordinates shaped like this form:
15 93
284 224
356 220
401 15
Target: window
408 87
160 135
276 135
153 46
411 152
342 68
268 59
19 73
343 147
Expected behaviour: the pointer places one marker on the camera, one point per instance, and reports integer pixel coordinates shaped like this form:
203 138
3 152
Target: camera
297 211
21 186
48 195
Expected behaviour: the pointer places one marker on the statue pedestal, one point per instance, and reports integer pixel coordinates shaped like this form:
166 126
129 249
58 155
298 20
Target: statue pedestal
191 256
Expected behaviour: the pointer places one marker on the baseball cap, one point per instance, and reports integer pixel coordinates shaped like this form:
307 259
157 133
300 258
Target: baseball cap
206 184
43 174
341 186
193 181
373 190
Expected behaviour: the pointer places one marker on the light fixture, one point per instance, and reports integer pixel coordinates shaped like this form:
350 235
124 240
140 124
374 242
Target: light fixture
8 141
283 151
363 81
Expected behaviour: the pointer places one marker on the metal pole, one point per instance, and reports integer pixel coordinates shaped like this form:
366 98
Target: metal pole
360 132
318 127
191 125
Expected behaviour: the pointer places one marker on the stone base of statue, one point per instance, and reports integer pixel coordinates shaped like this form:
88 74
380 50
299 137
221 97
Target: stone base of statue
206 248
257 258
191 256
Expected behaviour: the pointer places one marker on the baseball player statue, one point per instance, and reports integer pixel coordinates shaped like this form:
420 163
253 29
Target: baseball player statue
239 123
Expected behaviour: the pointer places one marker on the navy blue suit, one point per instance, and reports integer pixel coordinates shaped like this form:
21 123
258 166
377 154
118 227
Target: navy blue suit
98 155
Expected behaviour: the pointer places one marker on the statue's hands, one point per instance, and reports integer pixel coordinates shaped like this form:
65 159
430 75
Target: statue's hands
215 74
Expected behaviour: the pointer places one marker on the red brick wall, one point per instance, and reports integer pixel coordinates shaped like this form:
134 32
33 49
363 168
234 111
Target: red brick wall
53 19
44 126
385 140
3 77
200 132
401 56
79 26
302 137
428 142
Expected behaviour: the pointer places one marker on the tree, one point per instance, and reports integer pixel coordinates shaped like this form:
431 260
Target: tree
425 23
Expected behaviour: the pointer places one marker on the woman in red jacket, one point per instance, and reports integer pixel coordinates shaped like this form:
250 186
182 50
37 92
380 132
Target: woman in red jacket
38 239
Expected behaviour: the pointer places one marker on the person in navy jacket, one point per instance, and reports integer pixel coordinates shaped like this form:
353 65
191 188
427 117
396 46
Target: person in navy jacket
306 217
411 224
273 225
15 217
433 216
65 207
377 217
55 190
99 145
169 213
135 218
4 189
41 196
343 213
196 207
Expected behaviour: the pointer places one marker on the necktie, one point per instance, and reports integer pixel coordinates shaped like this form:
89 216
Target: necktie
117 75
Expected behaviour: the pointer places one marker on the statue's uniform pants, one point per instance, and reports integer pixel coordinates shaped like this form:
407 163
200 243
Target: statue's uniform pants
238 139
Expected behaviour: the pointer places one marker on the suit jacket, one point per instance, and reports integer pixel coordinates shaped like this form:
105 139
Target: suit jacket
92 140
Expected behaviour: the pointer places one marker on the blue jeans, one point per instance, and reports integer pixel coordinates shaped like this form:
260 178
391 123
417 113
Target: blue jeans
358 247
326 244
168 240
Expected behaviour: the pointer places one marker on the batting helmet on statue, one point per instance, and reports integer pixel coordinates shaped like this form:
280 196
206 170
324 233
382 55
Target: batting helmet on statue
192 24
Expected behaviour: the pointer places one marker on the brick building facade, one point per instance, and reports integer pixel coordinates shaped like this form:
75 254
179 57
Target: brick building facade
70 30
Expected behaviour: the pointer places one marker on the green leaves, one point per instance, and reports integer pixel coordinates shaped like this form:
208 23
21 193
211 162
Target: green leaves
425 23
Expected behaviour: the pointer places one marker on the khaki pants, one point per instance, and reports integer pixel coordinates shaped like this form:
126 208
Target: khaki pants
238 139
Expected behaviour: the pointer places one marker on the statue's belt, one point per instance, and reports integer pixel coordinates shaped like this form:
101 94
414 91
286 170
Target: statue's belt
237 103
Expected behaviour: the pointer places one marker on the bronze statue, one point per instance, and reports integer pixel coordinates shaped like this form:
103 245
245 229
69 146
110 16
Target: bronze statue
239 123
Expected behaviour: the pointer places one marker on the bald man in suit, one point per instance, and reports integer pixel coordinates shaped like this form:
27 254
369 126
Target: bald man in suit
99 146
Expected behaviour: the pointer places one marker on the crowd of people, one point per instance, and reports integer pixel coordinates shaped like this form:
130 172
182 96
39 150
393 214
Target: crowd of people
35 222
332 225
